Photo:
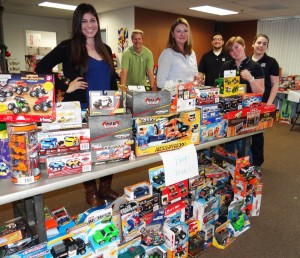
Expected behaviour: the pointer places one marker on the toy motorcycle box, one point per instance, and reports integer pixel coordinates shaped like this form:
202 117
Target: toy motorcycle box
27 98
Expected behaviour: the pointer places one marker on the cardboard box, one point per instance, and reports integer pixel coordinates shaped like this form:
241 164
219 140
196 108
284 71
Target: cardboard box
250 99
250 119
27 98
148 103
207 95
111 138
156 134
68 115
107 102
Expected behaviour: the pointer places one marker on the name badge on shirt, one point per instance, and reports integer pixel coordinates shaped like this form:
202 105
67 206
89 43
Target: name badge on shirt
263 64
223 59
229 73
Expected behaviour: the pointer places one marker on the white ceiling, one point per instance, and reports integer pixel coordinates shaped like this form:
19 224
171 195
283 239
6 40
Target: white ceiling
248 9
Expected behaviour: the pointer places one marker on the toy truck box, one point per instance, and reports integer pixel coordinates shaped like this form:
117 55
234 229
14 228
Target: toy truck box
139 191
27 98
148 103
230 86
224 236
149 204
176 236
111 138
68 116
180 251
213 129
131 248
63 141
230 103
5 171
206 95
183 97
157 176
250 119
209 111
156 134
69 164
107 103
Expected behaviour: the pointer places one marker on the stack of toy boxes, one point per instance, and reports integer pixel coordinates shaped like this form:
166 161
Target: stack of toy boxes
65 151
207 95
250 119
110 127
27 98
4 153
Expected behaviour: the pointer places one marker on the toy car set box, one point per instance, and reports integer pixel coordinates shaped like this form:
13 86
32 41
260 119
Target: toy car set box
107 102
27 98
148 103
156 134
138 191
63 141
5 171
250 119
111 138
250 99
230 103
69 164
68 115
206 95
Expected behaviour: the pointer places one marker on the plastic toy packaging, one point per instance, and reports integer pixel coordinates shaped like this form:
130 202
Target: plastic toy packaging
24 160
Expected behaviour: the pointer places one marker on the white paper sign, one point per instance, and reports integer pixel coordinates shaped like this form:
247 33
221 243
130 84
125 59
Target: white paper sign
229 73
180 164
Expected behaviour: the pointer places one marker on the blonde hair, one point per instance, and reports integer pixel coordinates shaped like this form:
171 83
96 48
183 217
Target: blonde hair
137 32
232 40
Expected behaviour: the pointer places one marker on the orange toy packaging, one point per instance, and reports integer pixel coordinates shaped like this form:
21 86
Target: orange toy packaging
27 98
250 119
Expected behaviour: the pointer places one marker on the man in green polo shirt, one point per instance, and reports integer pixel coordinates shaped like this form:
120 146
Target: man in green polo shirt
137 61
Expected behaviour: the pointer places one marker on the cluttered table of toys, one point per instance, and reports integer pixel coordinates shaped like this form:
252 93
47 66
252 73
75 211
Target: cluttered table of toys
71 153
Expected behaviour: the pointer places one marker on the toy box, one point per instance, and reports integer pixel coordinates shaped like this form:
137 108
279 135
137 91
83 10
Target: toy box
111 138
27 98
107 103
208 112
196 246
68 115
157 176
174 213
158 251
230 103
131 248
206 95
39 250
250 99
138 191
230 86
64 141
148 103
213 129
183 97
224 236
156 134
5 171
69 164
172 193
176 236
250 119
149 205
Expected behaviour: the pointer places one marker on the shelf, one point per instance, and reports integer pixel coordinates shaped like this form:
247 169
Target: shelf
11 192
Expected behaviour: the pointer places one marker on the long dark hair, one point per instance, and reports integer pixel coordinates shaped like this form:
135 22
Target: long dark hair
79 53
188 46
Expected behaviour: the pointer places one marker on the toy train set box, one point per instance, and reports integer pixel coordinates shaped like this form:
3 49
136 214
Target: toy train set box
27 98
111 138
107 102
250 119
156 134
148 103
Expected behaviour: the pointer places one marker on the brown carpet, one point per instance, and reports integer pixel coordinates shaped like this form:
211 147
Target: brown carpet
275 233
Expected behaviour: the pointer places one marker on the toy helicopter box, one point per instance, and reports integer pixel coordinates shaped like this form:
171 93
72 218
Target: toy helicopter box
250 119
156 134
107 102
68 115
111 138
27 98
148 103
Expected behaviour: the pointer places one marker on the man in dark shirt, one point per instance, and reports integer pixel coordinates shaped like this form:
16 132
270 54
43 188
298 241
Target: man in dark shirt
211 62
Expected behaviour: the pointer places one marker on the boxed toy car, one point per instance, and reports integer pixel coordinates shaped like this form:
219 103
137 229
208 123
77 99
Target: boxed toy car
131 248
63 141
111 138
214 128
138 191
176 236
250 99
157 176
183 96
68 116
250 119
156 134
68 164
224 236
230 103
107 102
206 95
149 205
27 98
148 103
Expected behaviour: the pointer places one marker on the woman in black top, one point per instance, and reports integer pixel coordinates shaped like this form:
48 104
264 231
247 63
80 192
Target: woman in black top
87 65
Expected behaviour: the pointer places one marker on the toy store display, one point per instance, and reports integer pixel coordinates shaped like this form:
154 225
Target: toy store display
24 160
27 98
4 154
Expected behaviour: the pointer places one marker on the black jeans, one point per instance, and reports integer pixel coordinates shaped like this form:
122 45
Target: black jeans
257 149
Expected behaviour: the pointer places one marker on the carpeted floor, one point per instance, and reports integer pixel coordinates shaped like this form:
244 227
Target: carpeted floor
275 233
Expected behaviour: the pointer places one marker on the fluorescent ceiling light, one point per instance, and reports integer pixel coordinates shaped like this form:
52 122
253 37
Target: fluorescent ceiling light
58 6
213 10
